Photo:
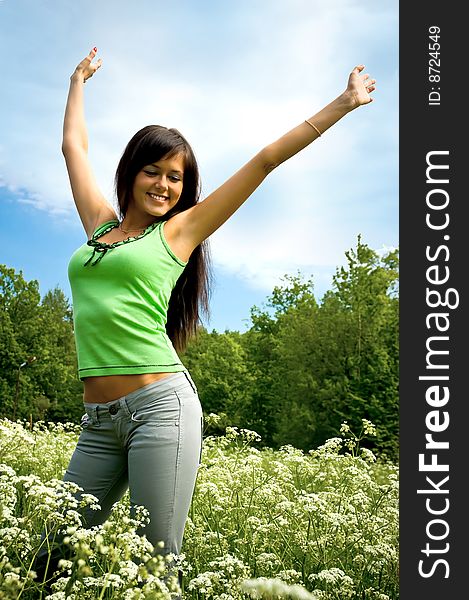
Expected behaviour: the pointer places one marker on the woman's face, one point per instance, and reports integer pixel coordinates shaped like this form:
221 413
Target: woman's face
157 187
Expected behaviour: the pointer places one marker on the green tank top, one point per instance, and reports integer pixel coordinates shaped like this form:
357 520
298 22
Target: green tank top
120 295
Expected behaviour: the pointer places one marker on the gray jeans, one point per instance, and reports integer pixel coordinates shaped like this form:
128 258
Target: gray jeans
149 441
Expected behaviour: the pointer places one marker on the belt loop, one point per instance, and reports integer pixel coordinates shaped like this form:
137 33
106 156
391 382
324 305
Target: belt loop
125 406
95 415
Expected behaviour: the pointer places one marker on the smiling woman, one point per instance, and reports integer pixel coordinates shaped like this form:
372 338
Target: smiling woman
138 285
157 189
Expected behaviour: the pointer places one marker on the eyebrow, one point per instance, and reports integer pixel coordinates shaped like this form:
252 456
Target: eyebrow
171 170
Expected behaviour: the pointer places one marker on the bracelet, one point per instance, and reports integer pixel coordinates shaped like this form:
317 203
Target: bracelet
314 127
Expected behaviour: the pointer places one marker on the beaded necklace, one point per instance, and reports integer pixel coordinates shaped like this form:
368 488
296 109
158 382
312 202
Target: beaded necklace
101 248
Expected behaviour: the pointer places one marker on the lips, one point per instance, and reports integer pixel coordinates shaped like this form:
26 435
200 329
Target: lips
158 197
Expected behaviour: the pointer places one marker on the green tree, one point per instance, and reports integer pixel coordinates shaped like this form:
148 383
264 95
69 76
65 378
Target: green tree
358 325
56 373
218 365
317 365
278 335
10 359
19 307
47 387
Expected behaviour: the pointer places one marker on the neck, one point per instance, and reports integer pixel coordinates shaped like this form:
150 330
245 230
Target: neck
136 219
127 225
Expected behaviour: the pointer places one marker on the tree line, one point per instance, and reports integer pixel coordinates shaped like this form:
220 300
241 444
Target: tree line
301 369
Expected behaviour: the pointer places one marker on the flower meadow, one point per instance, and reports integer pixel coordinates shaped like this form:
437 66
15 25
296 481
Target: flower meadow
264 523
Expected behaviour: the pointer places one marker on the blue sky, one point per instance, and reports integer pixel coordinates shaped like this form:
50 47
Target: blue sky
232 77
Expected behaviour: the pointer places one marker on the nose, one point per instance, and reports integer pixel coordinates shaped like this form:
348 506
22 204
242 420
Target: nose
161 182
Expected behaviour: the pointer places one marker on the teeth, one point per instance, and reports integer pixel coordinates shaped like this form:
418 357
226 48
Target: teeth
156 196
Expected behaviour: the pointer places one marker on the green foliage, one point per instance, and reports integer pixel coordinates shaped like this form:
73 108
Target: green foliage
364 310
304 367
37 356
218 363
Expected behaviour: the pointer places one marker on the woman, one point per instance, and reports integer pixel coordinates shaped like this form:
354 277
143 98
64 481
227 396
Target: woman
137 286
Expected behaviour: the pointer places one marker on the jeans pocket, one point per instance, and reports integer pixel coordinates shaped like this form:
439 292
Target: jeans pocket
162 412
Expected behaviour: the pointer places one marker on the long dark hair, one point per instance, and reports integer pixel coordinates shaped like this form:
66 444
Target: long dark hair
190 296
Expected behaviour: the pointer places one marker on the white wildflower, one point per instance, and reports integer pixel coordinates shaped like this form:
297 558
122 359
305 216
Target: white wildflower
368 427
275 588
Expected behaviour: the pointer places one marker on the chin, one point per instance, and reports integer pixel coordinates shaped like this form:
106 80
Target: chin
158 211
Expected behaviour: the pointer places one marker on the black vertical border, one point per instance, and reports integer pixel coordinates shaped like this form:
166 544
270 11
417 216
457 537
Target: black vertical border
424 128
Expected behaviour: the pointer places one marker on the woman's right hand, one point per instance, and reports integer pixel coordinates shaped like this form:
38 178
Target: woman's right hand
86 68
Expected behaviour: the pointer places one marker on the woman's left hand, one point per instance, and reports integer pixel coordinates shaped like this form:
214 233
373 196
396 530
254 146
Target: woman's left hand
359 88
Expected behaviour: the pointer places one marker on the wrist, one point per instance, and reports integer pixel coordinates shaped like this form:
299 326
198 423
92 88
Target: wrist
347 102
77 78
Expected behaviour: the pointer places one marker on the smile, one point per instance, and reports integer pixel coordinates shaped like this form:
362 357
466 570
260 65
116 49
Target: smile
158 197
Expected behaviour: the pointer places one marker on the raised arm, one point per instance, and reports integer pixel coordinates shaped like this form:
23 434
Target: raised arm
191 227
92 207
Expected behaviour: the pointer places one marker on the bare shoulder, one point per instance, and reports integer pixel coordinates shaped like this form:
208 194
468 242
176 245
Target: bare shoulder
177 234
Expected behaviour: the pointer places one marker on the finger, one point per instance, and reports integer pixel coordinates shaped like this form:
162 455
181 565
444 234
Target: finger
358 69
85 63
94 67
92 54
369 84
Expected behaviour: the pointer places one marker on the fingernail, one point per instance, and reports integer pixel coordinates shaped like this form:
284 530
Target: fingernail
95 49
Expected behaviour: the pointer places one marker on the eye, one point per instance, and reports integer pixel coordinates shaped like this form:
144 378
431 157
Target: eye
150 173
175 178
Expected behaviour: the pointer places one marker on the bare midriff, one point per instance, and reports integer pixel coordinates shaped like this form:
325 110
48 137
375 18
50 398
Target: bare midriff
110 387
